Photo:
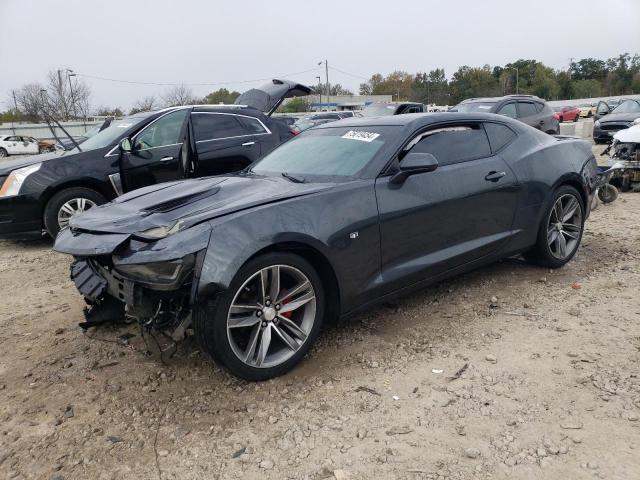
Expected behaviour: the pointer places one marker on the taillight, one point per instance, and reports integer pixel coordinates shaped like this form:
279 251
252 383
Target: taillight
295 131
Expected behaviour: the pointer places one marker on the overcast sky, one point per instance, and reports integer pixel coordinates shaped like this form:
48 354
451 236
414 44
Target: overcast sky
210 41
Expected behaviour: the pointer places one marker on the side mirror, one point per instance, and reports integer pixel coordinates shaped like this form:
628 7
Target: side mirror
125 145
414 163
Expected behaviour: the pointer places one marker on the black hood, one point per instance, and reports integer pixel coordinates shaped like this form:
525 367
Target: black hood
8 165
620 117
188 202
267 98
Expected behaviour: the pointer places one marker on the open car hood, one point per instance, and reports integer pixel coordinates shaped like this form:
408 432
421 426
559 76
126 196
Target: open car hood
188 202
269 96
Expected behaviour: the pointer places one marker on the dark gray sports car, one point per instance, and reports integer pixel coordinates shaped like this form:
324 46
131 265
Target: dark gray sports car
345 215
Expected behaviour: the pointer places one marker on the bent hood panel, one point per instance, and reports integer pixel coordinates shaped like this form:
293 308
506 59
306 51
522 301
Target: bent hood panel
188 201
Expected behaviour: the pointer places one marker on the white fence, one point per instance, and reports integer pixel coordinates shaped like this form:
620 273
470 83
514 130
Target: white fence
42 132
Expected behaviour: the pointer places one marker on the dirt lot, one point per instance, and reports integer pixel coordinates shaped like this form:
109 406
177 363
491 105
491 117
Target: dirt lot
548 382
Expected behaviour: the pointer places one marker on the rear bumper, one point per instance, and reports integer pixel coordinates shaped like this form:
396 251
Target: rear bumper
20 218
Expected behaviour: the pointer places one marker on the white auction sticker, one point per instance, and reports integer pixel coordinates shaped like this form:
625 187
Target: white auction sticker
362 136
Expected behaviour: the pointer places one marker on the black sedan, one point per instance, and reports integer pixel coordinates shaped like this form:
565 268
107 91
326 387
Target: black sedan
44 191
343 216
609 121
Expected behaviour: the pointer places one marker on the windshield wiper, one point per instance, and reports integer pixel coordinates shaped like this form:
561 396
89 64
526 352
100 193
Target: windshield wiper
292 178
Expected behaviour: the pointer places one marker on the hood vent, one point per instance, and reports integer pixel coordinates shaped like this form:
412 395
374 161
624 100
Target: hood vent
179 202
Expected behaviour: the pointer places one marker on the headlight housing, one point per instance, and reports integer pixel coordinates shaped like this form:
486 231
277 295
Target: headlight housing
16 178
596 124
157 274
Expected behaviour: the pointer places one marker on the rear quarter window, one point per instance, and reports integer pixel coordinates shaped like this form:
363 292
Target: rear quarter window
499 135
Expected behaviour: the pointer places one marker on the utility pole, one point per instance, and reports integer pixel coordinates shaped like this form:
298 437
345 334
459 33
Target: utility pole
15 104
319 92
63 102
517 81
326 67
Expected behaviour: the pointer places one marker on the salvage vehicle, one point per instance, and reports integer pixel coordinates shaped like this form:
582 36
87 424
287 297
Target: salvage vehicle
529 109
625 159
18 145
43 192
381 109
587 110
615 119
343 216
566 114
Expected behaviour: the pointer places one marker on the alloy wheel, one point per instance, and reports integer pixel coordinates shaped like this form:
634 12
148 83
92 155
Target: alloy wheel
71 207
271 316
564 227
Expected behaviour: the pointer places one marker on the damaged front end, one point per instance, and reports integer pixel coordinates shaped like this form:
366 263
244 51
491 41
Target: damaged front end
135 277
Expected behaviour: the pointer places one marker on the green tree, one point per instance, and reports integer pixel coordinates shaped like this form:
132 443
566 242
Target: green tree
295 105
469 82
587 88
222 95
544 83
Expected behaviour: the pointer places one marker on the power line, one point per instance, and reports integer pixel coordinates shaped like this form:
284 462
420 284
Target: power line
168 84
349 74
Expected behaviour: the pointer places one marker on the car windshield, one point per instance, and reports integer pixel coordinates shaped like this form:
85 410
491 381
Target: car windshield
378 110
336 153
111 133
629 106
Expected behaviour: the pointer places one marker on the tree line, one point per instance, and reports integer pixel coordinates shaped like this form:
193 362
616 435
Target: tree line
585 78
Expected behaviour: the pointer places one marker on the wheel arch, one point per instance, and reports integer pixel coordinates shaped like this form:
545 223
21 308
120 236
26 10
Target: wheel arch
321 264
89 183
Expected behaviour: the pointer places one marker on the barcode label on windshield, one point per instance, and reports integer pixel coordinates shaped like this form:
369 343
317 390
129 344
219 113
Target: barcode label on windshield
362 136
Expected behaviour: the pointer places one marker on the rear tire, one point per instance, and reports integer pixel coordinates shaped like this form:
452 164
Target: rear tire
3 153
234 335
60 205
560 230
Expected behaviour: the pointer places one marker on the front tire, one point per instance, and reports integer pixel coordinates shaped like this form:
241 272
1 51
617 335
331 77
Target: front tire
3 153
561 229
66 203
267 320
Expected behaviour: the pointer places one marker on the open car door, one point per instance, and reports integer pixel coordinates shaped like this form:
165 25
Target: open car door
601 110
268 97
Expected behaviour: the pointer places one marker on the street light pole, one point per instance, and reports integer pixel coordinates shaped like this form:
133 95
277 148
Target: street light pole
73 99
319 92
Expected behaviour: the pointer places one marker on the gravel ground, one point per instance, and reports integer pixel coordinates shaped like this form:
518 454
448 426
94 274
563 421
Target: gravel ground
511 371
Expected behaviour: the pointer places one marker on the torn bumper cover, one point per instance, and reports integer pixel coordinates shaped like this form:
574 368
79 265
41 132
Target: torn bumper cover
154 279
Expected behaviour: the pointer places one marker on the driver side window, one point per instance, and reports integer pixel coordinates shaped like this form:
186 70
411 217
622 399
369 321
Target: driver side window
164 131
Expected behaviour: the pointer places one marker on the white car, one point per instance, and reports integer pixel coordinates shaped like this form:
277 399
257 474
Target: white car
17 145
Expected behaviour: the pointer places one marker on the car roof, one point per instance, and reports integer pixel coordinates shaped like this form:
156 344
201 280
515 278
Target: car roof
506 97
417 120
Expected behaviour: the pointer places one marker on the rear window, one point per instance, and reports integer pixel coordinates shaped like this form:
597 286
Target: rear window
455 144
215 126
526 109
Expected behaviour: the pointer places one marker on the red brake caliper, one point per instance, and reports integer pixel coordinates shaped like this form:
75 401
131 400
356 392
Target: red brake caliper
285 314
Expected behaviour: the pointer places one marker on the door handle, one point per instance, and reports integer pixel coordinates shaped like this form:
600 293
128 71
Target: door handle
166 159
494 176
248 144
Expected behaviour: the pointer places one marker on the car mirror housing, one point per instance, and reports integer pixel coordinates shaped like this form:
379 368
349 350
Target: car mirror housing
125 145
414 163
